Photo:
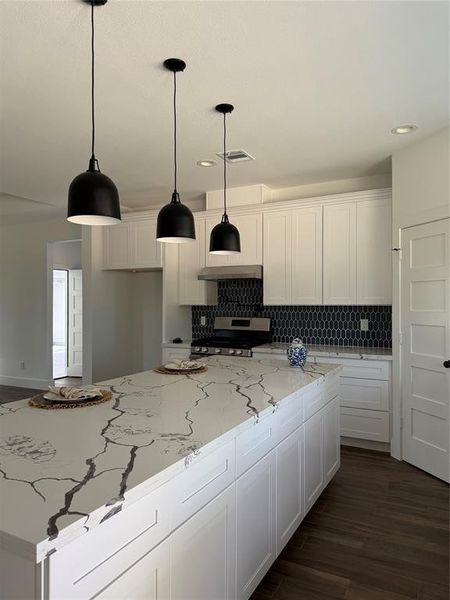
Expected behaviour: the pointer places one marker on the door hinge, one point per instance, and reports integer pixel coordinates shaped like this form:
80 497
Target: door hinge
399 252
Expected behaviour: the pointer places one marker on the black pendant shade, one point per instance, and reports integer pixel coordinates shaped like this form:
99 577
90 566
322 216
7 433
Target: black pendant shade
175 220
93 196
225 238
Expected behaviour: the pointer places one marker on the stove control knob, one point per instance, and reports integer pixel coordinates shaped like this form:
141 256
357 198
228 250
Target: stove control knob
231 351
197 349
204 350
238 352
217 350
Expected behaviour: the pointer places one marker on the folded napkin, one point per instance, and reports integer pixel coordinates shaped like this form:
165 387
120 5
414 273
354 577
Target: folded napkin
74 392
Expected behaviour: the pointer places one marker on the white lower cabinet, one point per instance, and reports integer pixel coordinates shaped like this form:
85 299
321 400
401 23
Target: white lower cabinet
203 552
289 486
148 579
331 439
314 471
255 520
171 353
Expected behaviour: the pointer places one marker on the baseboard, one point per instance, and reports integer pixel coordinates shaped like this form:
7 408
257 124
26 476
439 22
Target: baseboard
367 444
37 384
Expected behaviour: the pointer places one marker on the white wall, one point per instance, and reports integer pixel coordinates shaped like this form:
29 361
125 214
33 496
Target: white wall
420 193
25 310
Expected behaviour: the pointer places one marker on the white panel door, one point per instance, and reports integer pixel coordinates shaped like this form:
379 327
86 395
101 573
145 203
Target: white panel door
373 251
314 471
203 552
425 309
145 251
289 455
339 254
250 230
148 579
277 257
307 256
116 246
191 260
255 520
75 324
331 439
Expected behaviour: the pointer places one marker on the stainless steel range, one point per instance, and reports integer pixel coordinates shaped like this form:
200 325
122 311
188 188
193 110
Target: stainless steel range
234 336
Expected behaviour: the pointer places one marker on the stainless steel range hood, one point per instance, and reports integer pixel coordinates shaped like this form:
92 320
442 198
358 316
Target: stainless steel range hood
232 272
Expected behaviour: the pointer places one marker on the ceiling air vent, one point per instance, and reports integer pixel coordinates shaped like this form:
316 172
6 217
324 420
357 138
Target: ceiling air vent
236 156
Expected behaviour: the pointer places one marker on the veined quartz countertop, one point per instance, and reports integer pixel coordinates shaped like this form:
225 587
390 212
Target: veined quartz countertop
330 351
65 471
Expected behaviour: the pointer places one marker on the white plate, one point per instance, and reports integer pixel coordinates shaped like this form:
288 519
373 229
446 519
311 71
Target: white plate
57 398
174 367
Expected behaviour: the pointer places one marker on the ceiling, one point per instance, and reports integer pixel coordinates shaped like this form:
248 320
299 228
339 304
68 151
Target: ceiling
317 86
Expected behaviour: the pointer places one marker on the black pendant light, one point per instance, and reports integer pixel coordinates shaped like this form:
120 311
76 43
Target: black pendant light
93 197
175 220
225 238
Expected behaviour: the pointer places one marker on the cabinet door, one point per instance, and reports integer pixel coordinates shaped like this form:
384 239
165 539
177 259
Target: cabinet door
116 246
145 251
191 260
307 256
203 552
331 439
250 229
255 530
339 254
374 261
314 480
148 579
289 456
277 257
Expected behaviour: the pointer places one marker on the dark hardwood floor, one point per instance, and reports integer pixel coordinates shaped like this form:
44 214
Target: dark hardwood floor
380 531
10 393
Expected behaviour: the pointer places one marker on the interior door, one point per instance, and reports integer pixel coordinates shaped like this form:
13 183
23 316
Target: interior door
75 324
425 291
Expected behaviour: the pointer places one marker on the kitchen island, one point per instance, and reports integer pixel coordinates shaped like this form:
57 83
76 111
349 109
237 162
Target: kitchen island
181 486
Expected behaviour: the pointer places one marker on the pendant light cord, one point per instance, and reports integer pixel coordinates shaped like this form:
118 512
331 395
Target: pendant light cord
175 165
93 163
225 216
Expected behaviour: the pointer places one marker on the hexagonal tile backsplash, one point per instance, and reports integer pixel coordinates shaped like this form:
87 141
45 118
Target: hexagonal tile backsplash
329 325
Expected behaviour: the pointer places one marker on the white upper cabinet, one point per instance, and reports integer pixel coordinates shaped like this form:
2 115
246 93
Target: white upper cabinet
339 253
191 259
132 245
293 256
373 252
277 257
250 229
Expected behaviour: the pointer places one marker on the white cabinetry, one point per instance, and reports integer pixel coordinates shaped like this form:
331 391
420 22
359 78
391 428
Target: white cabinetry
250 229
203 552
339 253
192 258
170 353
293 256
331 441
132 245
255 508
314 475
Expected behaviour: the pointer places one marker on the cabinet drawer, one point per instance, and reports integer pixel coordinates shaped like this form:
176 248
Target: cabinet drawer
369 394
202 481
289 415
361 368
365 424
254 443
313 399
91 562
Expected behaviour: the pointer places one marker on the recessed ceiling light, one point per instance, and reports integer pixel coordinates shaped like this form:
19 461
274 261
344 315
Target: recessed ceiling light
401 129
206 163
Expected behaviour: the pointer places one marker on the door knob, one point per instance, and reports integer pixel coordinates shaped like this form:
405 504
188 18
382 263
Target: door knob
446 364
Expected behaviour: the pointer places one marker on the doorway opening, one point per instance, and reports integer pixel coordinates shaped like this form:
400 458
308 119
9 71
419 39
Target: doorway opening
59 346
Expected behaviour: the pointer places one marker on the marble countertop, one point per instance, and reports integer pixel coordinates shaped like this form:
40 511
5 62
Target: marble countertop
330 351
62 472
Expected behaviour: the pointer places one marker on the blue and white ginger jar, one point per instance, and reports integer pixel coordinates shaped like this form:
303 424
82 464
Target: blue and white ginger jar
296 353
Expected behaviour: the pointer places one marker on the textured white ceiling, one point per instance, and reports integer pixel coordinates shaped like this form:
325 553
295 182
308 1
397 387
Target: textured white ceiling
317 87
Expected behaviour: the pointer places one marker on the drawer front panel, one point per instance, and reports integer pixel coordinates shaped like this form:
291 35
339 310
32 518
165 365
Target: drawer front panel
364 393
313 400
255 443
202 481
362 369
91 562
290 416
365 424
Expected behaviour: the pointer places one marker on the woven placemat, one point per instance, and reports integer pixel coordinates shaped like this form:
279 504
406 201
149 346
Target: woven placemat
39 401
162 369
